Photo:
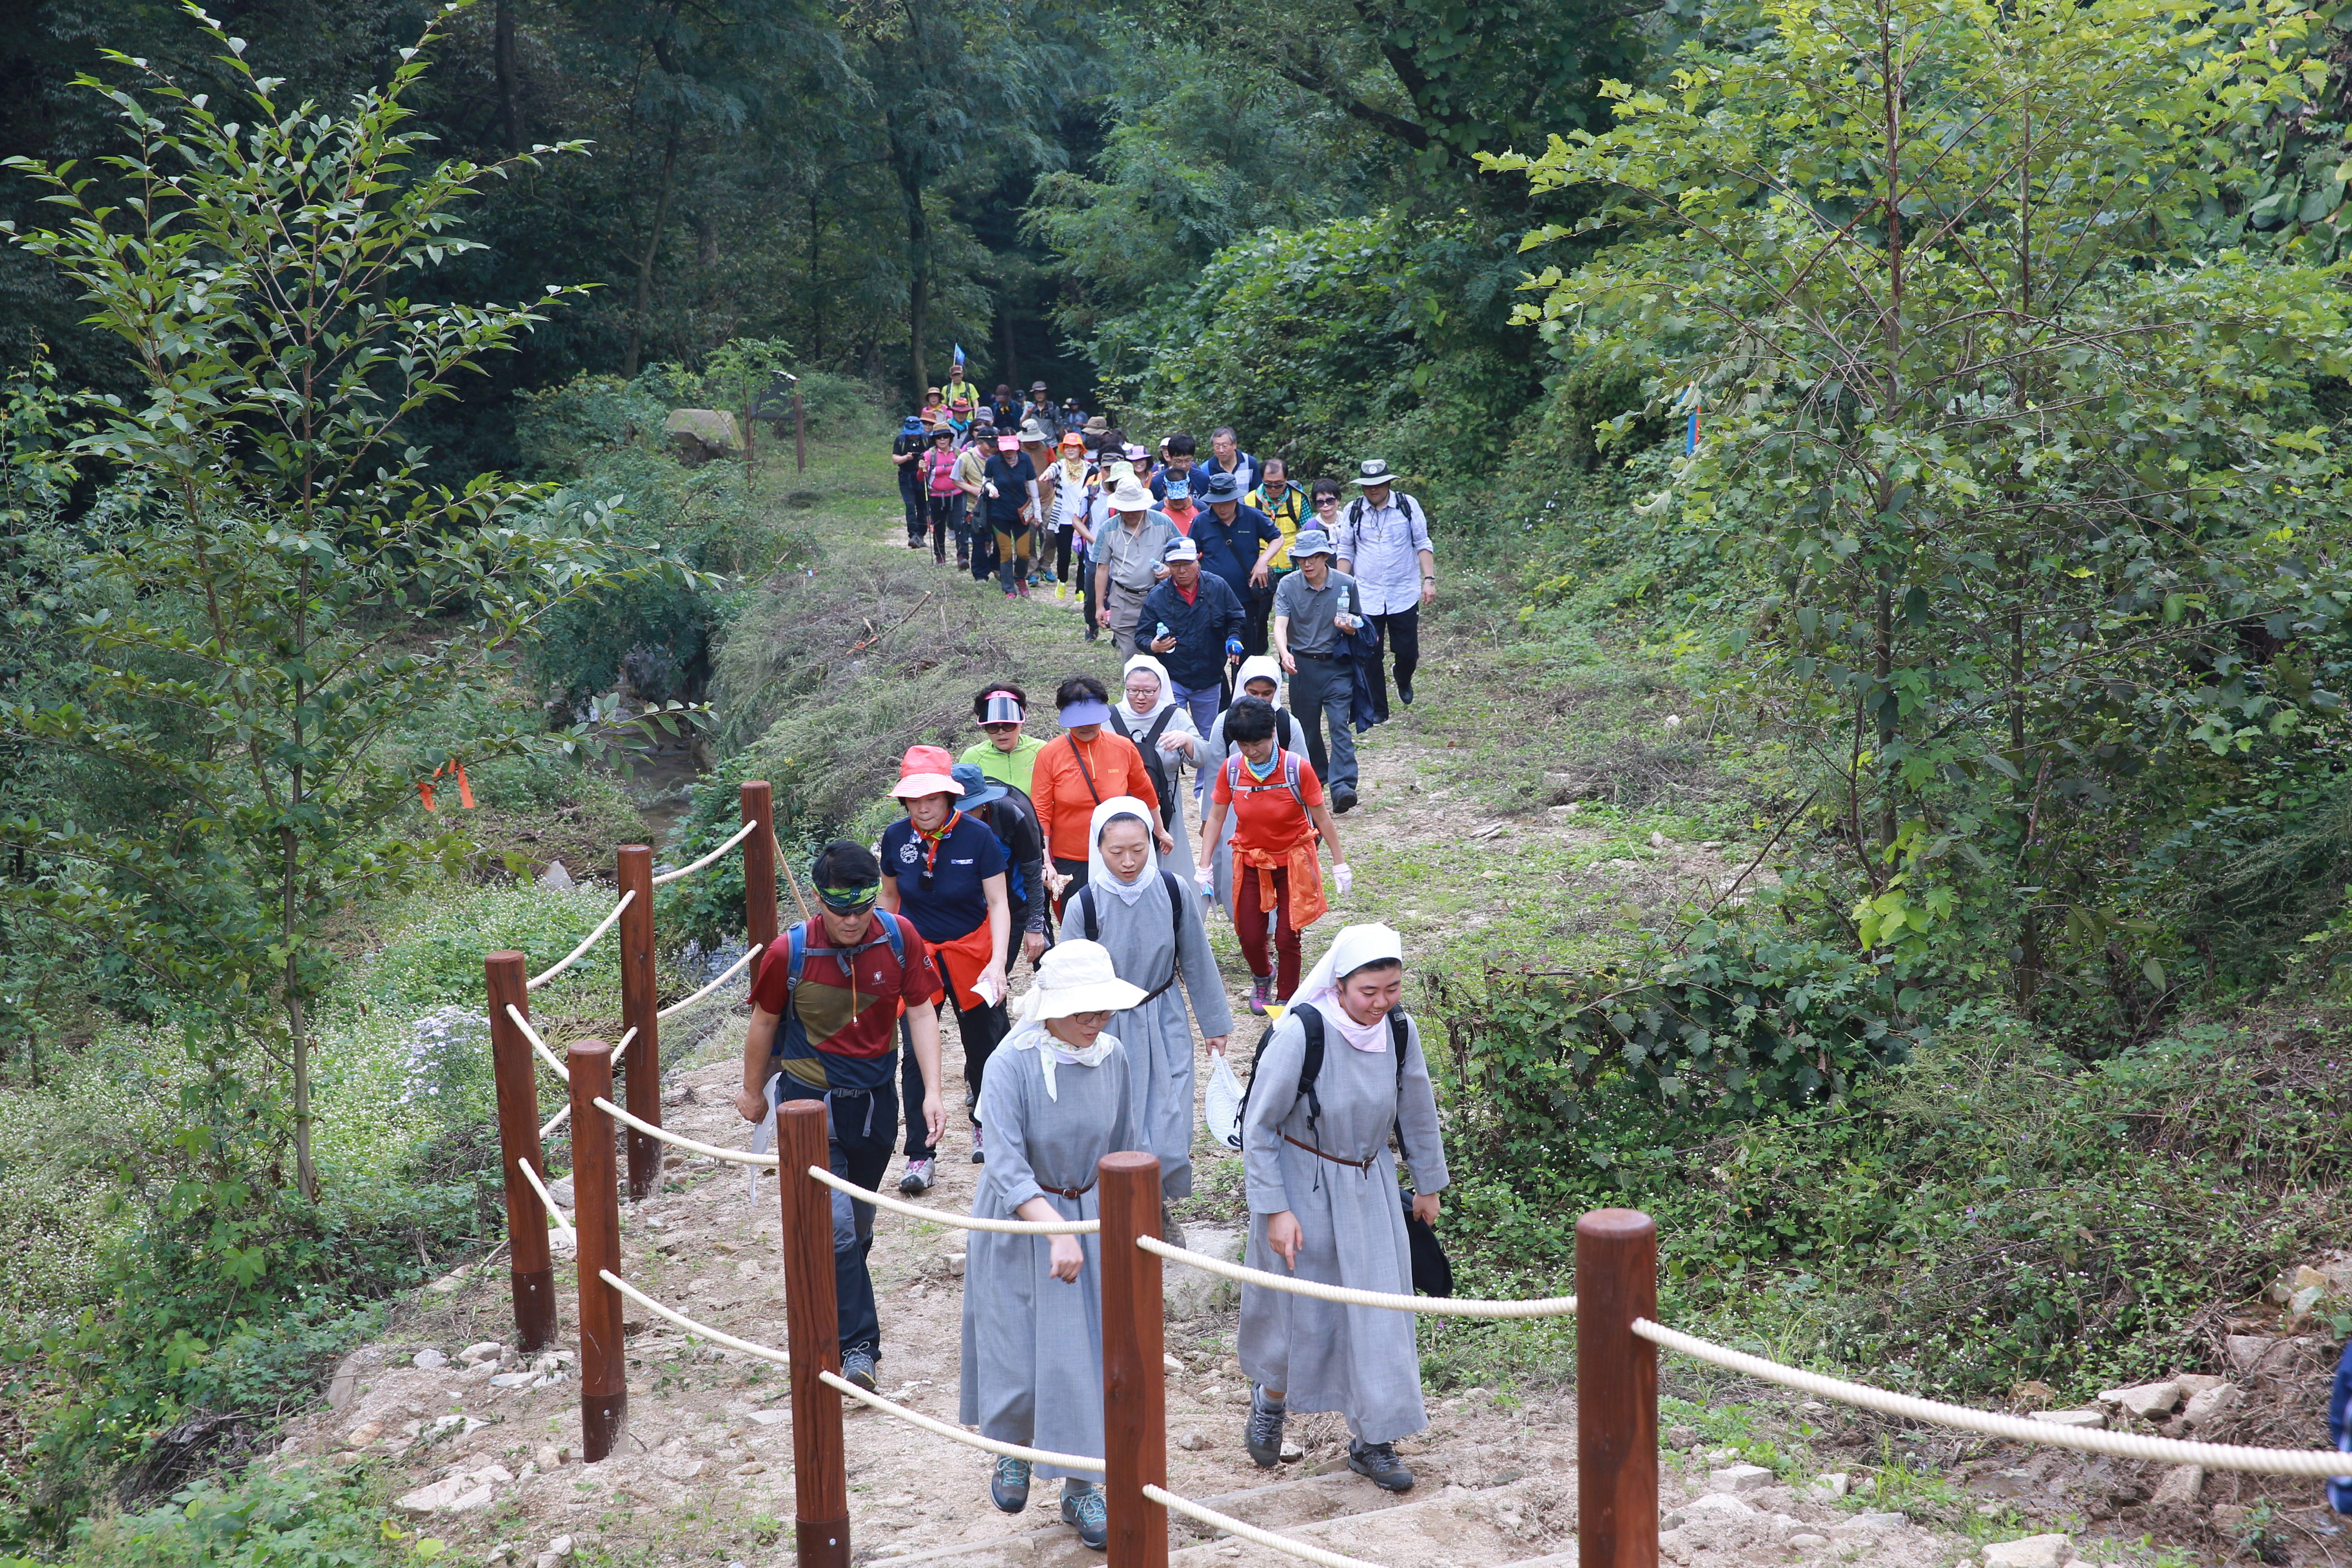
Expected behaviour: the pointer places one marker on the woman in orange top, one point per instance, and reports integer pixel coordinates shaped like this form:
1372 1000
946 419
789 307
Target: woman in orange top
1277 806
1080 770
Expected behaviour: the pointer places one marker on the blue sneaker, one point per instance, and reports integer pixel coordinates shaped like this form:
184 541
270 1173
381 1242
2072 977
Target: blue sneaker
1008 1486
1089 1514
857 1366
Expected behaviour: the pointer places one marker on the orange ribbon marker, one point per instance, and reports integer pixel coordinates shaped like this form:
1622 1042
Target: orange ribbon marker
465 789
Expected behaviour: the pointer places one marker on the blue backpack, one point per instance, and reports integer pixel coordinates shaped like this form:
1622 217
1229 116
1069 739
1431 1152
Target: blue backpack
798 950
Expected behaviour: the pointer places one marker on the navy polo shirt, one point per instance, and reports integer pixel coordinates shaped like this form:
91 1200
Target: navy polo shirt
955 904
1232 551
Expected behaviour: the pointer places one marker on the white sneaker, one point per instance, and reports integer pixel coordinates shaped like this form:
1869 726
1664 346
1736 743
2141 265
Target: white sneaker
918 1176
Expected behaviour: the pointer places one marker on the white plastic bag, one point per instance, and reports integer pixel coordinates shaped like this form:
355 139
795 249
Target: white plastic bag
1221 1106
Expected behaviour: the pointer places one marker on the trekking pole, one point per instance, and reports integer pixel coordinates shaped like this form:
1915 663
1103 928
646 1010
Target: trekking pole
640 1013
530 1270
760 870
1135 1378
596 1215
1616 1391
812 1336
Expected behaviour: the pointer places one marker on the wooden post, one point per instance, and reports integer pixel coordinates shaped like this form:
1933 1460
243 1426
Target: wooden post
812 1336
518 1084
596 1212
760 870
640 1007
1135 1386
1616 1391
799 427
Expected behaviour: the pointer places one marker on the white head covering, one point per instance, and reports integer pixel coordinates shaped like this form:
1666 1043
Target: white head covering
1355 947
1260 668
1167 696
1098 874
1076 977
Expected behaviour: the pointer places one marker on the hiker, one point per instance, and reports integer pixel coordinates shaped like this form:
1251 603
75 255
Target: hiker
1037 444
1004 406
935 407
1260 678
1324 1206
1066 489
1384 545
1058 1102
1176 502
1078 772
1149 918
1315 614
1040 408
976 547
943 496
907 455
1164 735
947 876
1176 452
959 389
1192 623
1009 815
1237 543
1226 456
837 984
1277 880
1127 562
1284 505
1011 481
1006 755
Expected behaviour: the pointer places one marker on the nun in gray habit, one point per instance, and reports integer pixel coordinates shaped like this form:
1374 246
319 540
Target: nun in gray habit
1055 1103
1322 1185
1153 924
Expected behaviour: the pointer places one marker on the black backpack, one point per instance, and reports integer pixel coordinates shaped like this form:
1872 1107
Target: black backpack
1175 924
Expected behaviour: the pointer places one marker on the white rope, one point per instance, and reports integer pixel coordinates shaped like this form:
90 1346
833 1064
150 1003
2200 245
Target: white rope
585 943
713 1149
554 1210
548 1127
621 1049
686 871
961 1221
734 969
1010 1450
2017 1429
688 1324
1232 1526
1436 1306
537 1044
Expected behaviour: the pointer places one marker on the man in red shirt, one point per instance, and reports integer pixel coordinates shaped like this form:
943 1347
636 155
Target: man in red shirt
859 967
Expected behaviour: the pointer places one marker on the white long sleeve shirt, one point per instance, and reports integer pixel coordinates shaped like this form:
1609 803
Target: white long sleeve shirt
1382 546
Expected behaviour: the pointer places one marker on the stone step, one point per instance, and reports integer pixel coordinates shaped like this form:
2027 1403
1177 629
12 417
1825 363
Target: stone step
1453 1526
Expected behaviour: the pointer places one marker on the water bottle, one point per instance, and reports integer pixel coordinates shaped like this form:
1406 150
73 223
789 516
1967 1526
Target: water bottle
1161 635
1343 604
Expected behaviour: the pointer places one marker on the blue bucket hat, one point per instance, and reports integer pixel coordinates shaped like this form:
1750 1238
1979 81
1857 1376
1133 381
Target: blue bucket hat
979 790
914 426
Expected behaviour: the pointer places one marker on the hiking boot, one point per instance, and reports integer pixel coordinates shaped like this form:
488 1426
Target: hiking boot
1171 1229
1404 693
919 1177
1262 1435
1087 1511
1008 1486
976 1157
857 1366
1261 993
1378 1461
1343 799
1023 589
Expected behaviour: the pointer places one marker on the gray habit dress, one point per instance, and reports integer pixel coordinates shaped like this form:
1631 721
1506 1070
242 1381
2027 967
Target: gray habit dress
1358 1361
1033 1344
1161 1056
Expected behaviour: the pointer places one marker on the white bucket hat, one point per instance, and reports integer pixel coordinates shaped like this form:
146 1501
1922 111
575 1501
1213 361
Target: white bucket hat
1130 496
1077 978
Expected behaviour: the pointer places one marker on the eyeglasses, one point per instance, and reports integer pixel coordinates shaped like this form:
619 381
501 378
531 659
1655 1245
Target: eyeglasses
1000 728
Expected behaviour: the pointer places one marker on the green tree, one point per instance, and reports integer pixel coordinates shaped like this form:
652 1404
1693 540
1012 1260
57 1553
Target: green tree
294 592
2024 443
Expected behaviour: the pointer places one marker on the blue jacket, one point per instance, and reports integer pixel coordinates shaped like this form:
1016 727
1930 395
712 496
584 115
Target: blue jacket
1231 551
1363 646
1198 660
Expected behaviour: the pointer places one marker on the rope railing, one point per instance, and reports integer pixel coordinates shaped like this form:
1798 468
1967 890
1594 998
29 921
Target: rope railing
1433 1306
959 1221
1267 1537
585 943
682 873
732 970
840 1385
1994 1424
715 1336
713 1151
554 1064
554 1211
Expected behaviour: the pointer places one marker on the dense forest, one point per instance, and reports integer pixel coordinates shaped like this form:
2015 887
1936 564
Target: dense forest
1948 406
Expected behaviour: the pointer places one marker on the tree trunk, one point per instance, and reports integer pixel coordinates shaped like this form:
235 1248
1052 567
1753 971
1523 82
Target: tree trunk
1010 374
816 294
502 55
908 164
645 258
305 1173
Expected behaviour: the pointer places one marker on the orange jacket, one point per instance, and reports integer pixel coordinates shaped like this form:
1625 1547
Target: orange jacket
1065 802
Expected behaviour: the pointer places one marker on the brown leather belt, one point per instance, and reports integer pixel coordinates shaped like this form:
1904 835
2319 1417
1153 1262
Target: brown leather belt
1363 1165
1068 1192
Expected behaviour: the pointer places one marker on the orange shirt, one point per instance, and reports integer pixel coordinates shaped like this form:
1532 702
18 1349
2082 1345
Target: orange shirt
1064 803
1267 817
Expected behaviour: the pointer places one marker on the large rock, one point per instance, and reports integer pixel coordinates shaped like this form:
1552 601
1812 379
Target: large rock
2180 1487
1191 1292
2204 1409
1738 1477
699 434
2092 1418
2148 1400
2033 1551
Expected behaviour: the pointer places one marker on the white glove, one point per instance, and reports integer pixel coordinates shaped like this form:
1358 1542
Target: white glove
1343 879
1206 876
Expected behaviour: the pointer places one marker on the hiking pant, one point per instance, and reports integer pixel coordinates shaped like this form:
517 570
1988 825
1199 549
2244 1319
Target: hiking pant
863 1127
1322 694
1257 612
1400 635
911 495
1126 610
1201 702
1064 537
1087 593
1250 926
942 520
1015 544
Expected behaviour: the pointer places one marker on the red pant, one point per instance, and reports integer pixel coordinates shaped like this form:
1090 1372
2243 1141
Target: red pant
1249 924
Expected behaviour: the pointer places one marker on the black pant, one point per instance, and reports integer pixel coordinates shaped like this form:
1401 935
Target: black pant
1257 610
1064 538
1400 635
1308 686
983 550
942 518
863 1127
911 495
979 1028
